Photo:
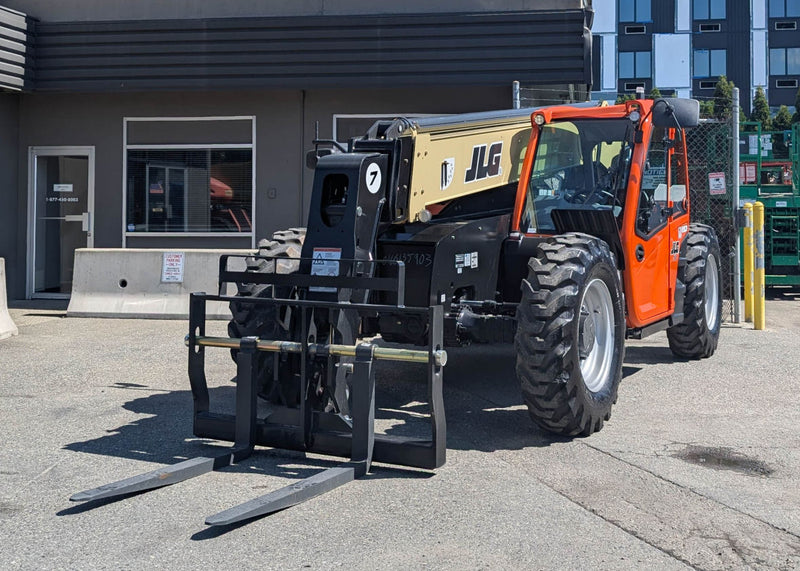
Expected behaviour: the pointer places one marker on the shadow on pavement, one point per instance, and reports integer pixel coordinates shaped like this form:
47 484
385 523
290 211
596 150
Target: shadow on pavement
650 355
483 405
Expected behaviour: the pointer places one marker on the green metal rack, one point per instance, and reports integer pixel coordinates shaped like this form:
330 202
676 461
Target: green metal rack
771 176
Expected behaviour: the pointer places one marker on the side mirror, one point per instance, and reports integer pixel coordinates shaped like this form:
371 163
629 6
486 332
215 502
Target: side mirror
674 113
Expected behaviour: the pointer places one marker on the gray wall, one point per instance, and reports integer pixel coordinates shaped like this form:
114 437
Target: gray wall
97 10
10 210
284 130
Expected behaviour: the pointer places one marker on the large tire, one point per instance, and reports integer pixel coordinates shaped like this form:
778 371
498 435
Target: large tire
264 320
697 336
570 340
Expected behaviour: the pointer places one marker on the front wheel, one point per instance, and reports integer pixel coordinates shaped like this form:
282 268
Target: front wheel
570 335
265 320
697 336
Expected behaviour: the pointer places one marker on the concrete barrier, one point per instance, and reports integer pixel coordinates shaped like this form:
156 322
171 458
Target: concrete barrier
145 283
7 327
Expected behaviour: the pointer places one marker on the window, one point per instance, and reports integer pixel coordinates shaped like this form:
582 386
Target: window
784 61
710 63
709 9
190 190
188 175
634 65
784 8
651 212
677 183
634 11
581 165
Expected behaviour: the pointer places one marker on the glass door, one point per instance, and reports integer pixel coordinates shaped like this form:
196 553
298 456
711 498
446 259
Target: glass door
61 202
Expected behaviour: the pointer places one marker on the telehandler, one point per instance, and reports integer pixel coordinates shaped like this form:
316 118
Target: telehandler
563 230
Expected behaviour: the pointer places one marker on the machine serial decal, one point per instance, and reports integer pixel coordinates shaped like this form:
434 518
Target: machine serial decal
484 165
682 231
676 248
412 258
468 260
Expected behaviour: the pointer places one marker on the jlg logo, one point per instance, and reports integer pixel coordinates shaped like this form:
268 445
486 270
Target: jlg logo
482 166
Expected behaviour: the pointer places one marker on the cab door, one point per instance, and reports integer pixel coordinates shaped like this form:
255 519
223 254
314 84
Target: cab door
678 197
648 246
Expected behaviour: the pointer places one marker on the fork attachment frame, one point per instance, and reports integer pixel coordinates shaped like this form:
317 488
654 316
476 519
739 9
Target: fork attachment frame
301 429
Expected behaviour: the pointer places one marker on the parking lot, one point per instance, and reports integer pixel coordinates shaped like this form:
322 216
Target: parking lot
699 466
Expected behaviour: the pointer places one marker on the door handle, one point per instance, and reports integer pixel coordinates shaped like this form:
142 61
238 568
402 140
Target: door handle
82 218
639 253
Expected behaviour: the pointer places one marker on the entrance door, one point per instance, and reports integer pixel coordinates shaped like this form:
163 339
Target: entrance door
61 203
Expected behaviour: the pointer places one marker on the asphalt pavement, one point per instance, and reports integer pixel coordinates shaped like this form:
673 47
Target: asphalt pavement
699 466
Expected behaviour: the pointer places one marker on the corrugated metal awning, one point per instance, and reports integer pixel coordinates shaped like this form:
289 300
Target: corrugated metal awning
538 47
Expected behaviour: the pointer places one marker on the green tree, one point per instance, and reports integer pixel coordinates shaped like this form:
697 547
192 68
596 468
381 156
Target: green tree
761 110
782 120
796 116
625 97
723 98
654 93
707 108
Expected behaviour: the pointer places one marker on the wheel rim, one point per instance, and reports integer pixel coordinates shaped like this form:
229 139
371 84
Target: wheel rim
711 292
596 335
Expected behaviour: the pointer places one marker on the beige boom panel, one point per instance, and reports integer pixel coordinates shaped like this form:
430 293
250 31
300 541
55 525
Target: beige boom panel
463 159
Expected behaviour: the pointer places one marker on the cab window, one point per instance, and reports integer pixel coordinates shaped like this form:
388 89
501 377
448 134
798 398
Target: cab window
652 213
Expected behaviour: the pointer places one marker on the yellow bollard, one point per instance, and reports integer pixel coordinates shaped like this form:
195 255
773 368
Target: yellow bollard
759 320
747 274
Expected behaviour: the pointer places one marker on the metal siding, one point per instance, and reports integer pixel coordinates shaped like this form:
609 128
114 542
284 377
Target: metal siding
597 42
16 53
663 12
739 55
784 38
635 42
308 52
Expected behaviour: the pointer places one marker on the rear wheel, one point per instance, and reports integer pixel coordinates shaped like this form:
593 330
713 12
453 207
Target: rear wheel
570 335
697 336
268 321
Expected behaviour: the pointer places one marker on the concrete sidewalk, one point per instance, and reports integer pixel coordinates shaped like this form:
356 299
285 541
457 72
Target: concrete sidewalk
699 466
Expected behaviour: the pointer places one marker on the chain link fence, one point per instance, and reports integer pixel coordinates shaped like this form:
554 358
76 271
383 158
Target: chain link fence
711 184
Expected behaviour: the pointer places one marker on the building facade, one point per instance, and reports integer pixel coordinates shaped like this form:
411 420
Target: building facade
181 125
683 46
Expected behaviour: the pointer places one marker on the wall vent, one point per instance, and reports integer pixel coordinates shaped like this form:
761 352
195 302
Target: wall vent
710 27
785 25
635 29
786 83
632 85
708 84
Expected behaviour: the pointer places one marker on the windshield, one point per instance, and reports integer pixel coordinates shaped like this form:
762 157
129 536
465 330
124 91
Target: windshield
580 164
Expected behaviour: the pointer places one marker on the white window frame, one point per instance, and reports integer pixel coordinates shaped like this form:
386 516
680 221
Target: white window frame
172 146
